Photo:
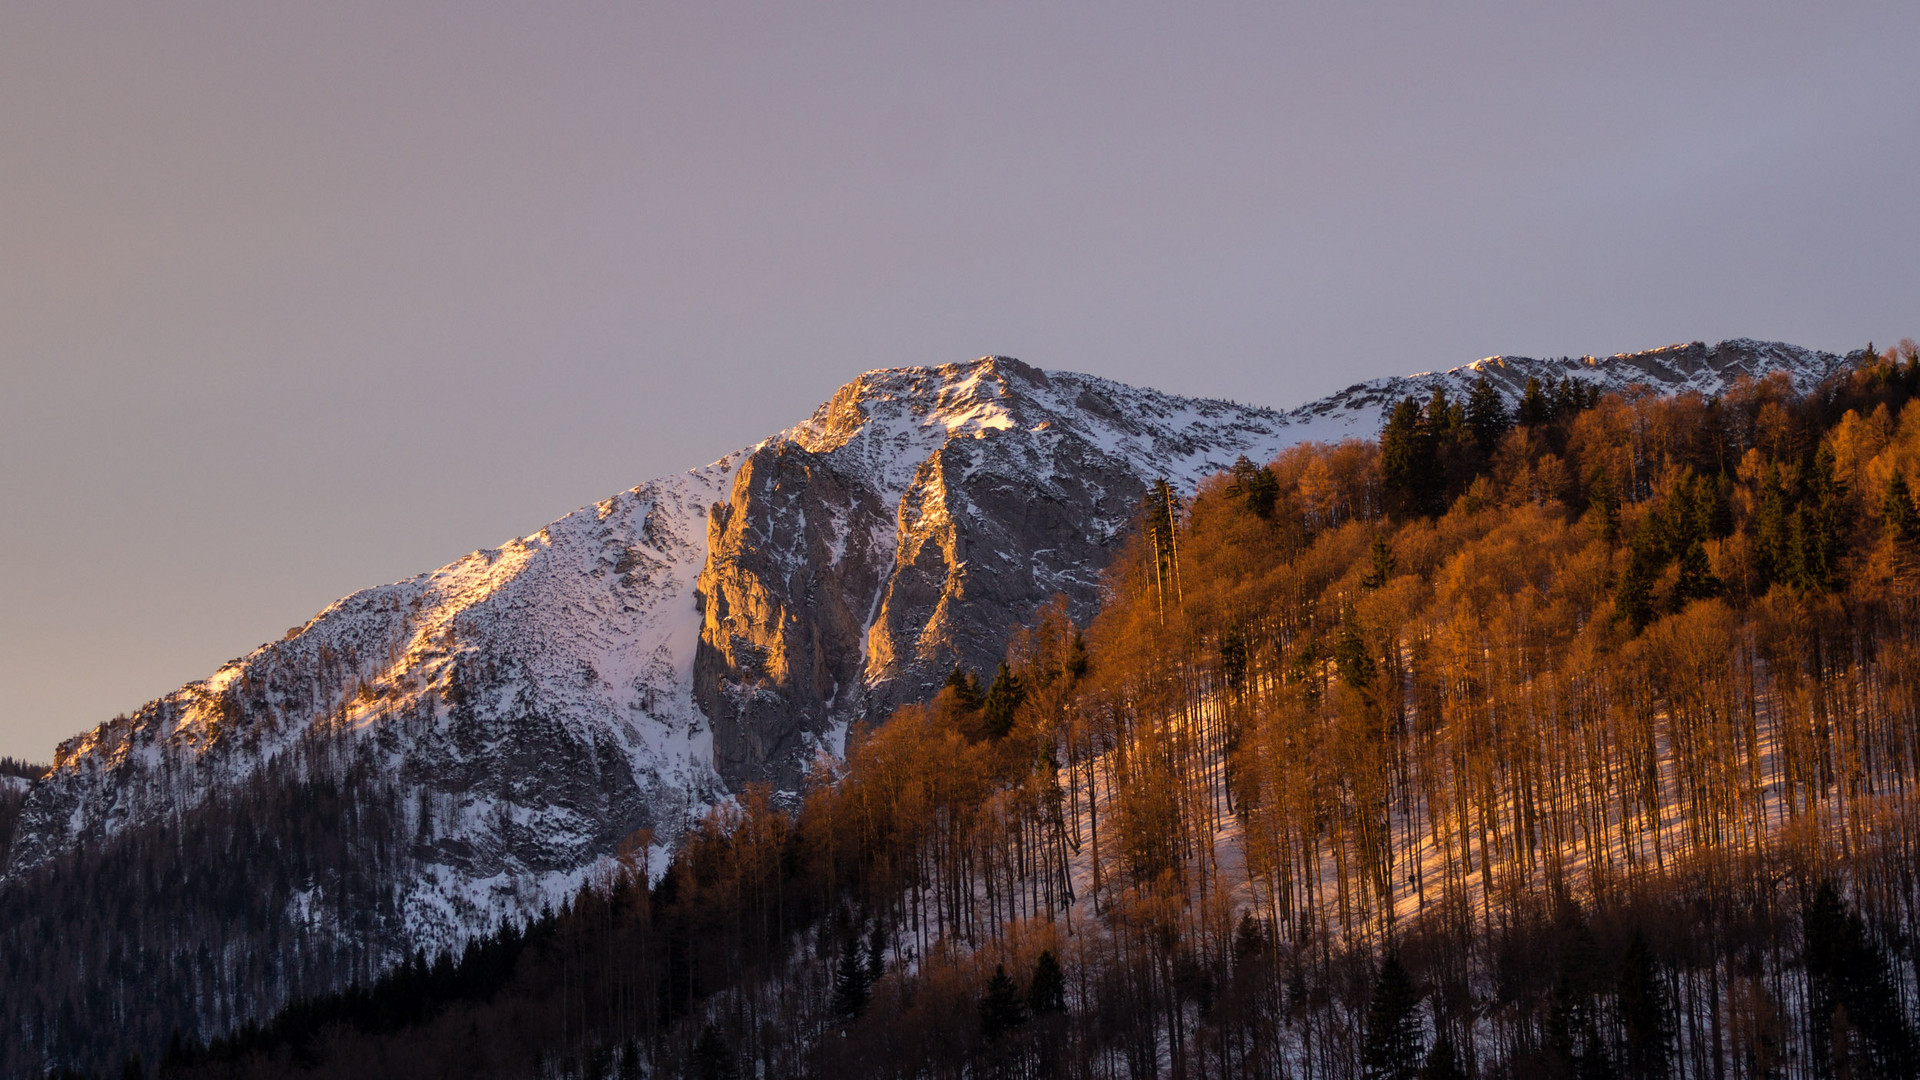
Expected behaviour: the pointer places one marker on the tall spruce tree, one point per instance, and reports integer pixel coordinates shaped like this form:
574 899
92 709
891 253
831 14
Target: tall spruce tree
1000 1007
1047 990
1393 1050
1487 417
1896 506
1408 469
965 686
1535 408
1646 1016
1256 486
1855 1017
1381 564
1350 655
712 1058
1003 698
1443 1061
851 984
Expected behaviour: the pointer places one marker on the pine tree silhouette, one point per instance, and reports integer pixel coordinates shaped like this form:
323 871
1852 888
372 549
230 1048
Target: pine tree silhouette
1000 1010
850 982
1047 991
1392 1050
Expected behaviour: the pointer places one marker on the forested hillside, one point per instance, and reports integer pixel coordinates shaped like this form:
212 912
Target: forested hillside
1580 742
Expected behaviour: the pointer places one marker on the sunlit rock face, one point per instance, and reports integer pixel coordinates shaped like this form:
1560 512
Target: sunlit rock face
909 524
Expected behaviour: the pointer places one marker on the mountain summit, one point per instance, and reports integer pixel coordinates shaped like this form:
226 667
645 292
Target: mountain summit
491 733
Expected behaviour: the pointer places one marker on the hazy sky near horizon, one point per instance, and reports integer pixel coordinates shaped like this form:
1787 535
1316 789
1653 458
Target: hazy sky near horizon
300 298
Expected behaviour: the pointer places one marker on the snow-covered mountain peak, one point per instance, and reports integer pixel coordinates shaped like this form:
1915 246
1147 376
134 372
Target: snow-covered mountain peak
530 710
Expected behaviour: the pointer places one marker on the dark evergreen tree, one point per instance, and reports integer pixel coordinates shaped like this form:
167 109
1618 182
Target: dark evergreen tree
1713 507
1076 665
1393 1050
1535 408
966 688
1350 655
1233 659
1815 527
1047 990
876 954
1573 1007
1772 531
1381 564
1003 698
1443 1061
1697 580
1256 486
1251 942
850 980
1409 473
1896 506
1605 502
1633 595
712 1059
1487 417
1646 1015
1851 992
1000 1008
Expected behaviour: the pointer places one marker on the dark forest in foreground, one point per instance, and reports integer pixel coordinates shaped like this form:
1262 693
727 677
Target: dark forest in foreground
1577 743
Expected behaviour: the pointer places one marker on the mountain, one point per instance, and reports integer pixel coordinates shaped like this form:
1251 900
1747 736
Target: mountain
502 728
1708 370
621 668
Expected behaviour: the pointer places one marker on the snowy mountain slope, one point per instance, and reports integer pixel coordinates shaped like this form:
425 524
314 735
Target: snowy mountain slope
1358 411
540 699
591 686
535 694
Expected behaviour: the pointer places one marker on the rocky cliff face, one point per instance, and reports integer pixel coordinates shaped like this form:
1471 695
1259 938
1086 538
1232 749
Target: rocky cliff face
534 708
908 524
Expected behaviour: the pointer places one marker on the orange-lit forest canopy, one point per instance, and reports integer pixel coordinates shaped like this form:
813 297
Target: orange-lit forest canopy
1581 741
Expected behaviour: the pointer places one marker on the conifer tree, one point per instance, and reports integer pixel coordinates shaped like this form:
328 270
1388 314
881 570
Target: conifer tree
1772 530
1697 580
1487 417
1851 991
850 981
1392 1050
1645 1014
876 954
966 688
1534 409
1443 1061
1000 1009
1382 564
1633 596
1350 654
1605 501
1256 486
1003 697
712 1060
1408 471
1714 507
1047 991
1897 507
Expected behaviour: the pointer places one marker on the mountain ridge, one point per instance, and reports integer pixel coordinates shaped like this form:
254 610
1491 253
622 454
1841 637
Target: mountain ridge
595 683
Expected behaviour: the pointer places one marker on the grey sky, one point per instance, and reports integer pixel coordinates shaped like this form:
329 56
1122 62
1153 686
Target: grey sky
298 298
